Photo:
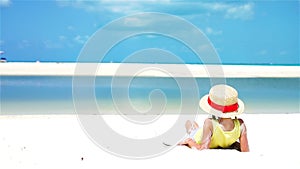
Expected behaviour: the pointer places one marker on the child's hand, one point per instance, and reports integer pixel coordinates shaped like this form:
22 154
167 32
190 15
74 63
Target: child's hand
189 141
186 141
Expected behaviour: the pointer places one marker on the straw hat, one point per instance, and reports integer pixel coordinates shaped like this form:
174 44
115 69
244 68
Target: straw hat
222 101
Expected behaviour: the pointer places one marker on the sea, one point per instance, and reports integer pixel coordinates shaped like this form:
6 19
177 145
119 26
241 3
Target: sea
59 95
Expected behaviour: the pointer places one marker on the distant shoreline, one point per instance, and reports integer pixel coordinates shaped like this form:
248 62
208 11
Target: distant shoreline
146 70
233 64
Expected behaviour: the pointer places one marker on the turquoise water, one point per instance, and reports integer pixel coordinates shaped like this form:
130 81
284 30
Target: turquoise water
53 94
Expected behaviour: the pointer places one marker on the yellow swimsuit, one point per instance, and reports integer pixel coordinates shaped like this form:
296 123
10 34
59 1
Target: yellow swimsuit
220 138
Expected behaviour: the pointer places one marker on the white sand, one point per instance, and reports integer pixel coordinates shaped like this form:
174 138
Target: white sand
57 141
157 70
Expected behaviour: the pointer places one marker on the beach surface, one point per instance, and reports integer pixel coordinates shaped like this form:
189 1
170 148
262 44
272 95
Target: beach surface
58 141
145 70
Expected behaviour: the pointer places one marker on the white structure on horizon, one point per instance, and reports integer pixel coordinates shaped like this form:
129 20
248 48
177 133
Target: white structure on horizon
3 59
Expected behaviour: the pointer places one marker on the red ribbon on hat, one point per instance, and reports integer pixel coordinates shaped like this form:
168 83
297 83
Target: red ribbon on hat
224 109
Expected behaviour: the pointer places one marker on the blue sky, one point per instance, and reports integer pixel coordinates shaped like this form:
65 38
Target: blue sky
243 32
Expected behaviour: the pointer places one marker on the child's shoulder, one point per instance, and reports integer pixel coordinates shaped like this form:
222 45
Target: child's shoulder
208 122
241 121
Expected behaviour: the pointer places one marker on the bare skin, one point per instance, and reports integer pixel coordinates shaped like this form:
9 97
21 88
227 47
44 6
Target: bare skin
227 124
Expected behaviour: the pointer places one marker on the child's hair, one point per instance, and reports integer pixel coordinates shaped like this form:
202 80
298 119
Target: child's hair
214 117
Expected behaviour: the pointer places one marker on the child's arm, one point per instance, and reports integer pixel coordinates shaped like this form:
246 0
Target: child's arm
206 137
243 138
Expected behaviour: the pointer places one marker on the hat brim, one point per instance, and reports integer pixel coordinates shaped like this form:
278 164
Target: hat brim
208 109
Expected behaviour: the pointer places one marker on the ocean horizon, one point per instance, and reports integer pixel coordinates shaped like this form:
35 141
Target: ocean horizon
189 63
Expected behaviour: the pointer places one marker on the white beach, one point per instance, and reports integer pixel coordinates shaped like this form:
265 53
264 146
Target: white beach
147 70
49 141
